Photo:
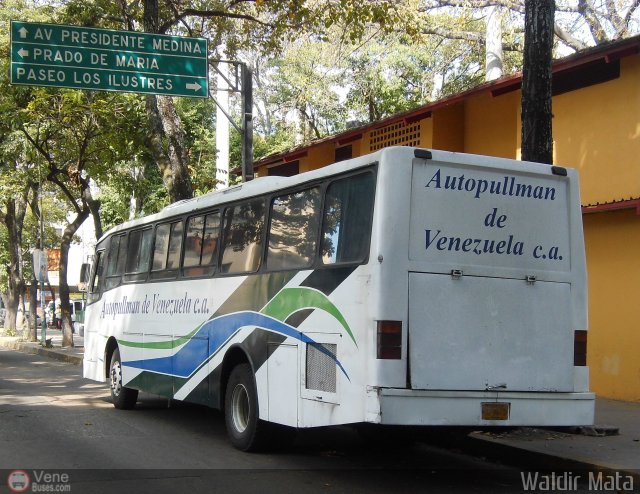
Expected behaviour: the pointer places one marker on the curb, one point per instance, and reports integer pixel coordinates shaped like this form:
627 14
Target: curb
524 458
36 349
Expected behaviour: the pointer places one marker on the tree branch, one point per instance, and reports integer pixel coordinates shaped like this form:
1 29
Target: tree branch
209 14
627 18
472 36
568 39
595 27
515 5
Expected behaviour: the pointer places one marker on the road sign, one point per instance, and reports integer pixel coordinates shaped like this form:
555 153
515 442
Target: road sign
108 60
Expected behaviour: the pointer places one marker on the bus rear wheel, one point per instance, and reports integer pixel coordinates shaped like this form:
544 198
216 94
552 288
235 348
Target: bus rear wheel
122 398
245 430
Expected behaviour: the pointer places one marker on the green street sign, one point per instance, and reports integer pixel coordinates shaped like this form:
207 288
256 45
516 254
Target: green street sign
108 60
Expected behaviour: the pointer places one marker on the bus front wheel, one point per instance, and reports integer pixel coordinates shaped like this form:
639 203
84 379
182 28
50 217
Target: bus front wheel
122 398
245 430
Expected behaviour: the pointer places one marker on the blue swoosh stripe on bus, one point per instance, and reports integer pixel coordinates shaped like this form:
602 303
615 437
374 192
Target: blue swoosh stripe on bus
213 335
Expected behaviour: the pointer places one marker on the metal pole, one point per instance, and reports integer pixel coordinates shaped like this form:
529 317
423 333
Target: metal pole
247 124
222 128
43 330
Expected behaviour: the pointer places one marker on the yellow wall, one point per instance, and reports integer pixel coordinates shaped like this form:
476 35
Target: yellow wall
612 241
318 156
597 130
426 133
448 128
357 148
491 124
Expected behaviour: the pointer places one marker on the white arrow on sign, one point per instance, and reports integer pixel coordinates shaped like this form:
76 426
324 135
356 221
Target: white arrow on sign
23 32
195 86
23 53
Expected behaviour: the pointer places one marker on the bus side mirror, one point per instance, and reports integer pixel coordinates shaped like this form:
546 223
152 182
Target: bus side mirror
85 270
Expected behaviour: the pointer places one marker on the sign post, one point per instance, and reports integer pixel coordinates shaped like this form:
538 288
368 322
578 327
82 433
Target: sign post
40 266
107 60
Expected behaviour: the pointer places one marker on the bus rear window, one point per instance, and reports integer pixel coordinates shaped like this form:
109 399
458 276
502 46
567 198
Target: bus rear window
346 224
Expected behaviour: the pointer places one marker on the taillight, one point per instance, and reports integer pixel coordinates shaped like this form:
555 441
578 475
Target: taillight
580 348
389 340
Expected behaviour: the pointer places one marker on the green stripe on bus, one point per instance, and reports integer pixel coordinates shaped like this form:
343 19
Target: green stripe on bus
290 300
161 345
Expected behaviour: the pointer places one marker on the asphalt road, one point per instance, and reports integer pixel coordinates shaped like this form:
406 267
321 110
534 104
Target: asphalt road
52 421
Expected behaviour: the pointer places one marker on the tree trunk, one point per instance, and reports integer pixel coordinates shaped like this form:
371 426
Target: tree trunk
94 207
537 137
180 185
32 332
493 44
13 219
65 305
166 139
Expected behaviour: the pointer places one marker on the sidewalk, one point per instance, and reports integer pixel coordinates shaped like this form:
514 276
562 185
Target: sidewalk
619 452
556 448
72 355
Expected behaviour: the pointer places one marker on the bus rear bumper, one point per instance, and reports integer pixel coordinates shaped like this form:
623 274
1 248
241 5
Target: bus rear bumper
469 408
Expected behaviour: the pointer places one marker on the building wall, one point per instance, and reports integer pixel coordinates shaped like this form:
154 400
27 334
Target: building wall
426 133
448 128
318 156
613 351
490 124
597 130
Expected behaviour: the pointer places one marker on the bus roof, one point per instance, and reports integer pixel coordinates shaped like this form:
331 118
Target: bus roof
258 186
263 185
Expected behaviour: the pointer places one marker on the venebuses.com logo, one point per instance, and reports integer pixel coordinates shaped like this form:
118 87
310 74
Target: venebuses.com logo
38 481
18 481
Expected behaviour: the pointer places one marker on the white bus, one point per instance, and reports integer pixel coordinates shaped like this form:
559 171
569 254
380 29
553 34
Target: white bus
406 287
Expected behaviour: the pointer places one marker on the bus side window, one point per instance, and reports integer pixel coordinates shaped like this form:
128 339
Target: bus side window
161 247
96 278
348 214
242 228
168 247
293 230
201 245
116 260
193 241
139 255
175 246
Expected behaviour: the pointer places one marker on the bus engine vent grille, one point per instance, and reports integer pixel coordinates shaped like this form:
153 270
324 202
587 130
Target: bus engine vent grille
321 368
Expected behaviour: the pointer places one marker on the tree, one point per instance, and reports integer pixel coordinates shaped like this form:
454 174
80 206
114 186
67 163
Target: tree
260 25
12 213
577 24
77 135
15 183
537 138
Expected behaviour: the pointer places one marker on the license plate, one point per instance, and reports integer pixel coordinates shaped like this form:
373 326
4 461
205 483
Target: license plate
495 411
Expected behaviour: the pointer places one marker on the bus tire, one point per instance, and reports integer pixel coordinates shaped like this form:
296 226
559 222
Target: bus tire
122 398
245 430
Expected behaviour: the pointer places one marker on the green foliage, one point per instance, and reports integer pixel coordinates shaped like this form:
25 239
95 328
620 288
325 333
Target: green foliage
387 76
198 117
130 181
307 81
